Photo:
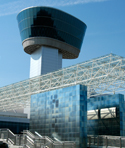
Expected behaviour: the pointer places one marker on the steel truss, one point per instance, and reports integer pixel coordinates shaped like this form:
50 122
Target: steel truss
102 75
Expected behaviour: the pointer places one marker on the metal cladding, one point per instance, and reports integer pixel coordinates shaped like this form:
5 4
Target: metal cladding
45 26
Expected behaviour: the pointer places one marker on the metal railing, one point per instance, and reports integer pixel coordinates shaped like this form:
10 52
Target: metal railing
29 140
105 141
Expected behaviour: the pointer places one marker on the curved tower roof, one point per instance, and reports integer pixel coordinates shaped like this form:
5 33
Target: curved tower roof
45 26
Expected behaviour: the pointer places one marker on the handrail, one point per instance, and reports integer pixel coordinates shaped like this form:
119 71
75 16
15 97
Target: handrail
31 140
27 137
29 133
38 134
106 140
58 140
11 141
11 132
27 146
49 139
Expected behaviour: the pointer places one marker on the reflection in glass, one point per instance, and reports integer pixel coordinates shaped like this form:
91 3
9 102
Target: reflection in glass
52 23
67 119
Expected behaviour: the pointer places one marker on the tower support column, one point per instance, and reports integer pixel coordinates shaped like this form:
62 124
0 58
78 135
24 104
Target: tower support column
45 60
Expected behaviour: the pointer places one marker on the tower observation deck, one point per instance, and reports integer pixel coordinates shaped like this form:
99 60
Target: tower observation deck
49 35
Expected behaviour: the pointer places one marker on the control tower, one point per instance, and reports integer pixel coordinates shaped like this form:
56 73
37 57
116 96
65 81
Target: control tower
49 35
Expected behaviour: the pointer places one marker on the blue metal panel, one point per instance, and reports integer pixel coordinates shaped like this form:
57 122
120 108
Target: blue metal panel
110 126
61 113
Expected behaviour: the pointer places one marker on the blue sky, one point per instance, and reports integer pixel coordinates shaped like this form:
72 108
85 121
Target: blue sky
105 33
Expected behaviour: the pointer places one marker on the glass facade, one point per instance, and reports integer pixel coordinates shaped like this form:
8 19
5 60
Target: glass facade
52 23
61 113
106 115
15 127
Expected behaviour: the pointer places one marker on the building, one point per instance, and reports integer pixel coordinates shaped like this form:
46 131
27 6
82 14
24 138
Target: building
106 115
58 96
103 75
49 35
61 114
16 122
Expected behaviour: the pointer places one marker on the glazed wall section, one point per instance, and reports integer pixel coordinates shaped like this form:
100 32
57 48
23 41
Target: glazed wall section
107 126
61 113
16 125
52 23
